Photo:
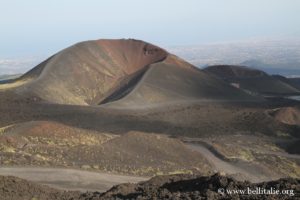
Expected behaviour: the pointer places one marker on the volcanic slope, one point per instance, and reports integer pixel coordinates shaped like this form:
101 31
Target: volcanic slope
166 82
87 72
252 80
101 71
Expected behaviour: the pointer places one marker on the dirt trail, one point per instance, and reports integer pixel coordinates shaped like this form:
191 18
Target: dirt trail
240 170
70 179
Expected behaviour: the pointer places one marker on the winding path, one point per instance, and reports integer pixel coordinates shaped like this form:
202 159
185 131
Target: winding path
69 179
240 170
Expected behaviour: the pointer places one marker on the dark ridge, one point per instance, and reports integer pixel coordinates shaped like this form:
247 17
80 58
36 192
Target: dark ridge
125 86
198 187
129 82
235 71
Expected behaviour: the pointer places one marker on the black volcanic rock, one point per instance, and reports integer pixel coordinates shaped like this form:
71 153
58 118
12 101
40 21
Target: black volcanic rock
194 187
160 187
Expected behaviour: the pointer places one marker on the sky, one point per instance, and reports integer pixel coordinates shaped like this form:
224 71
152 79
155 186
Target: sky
35 27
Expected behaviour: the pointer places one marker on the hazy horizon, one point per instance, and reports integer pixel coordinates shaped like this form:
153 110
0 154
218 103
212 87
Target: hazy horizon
275 56
33 30
40 28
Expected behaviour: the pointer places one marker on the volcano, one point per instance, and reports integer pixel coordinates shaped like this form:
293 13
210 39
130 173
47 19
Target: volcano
101 71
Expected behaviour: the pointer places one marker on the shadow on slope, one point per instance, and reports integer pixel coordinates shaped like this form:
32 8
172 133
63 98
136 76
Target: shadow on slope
167 83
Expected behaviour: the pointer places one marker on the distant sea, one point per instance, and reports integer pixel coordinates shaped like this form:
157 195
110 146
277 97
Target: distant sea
297 98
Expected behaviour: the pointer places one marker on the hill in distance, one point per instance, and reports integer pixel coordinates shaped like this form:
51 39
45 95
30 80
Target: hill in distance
295 82
252 80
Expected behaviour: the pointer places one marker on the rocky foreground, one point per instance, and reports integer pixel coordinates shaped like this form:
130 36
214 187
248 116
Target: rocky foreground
160 187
